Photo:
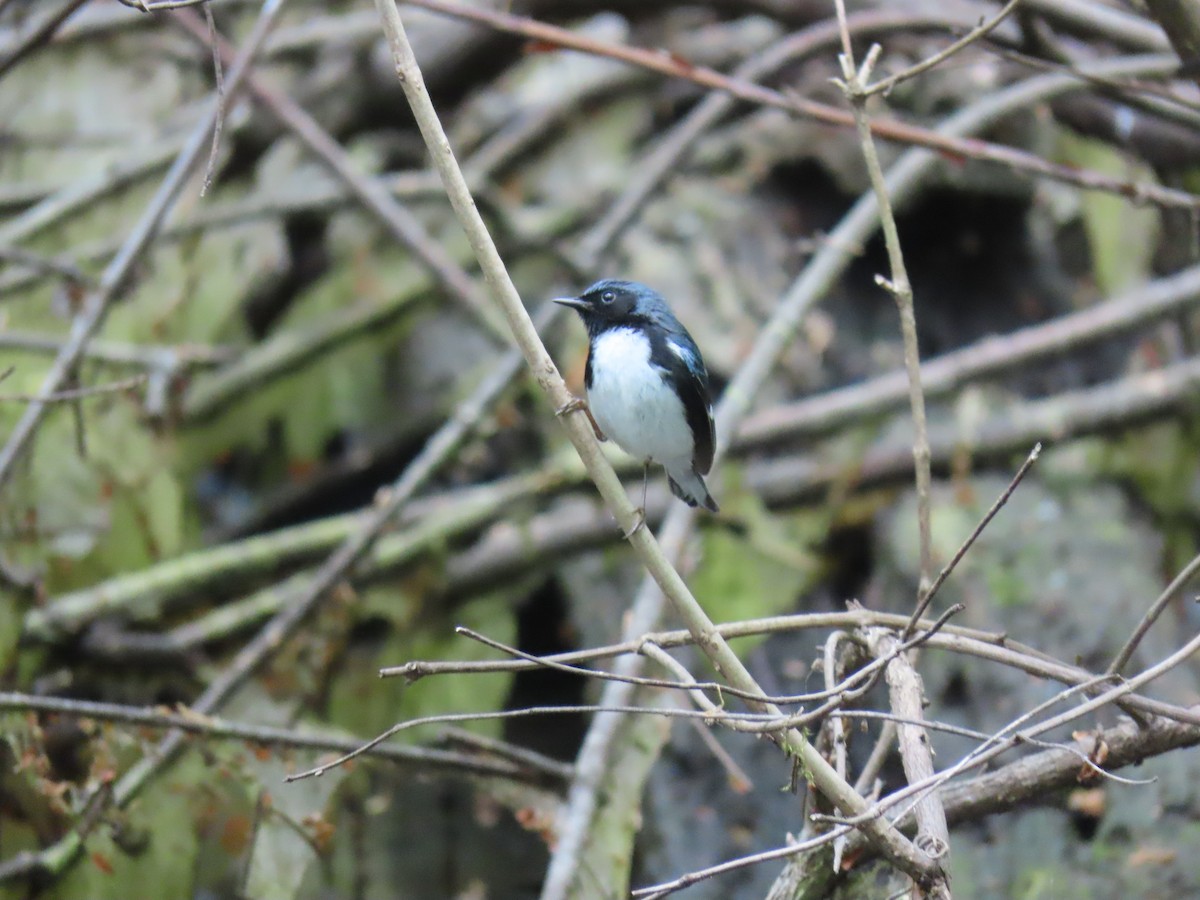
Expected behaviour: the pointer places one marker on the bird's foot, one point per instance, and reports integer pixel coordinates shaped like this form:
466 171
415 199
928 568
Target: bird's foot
640 513
575 403
578 403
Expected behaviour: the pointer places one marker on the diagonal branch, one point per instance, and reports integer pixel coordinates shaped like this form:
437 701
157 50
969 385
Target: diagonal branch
951 145
116 277
405 227
548 378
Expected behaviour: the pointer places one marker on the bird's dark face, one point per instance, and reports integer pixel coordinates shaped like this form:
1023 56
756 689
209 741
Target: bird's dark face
608 303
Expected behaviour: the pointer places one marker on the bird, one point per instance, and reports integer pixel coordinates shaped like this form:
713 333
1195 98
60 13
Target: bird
647 387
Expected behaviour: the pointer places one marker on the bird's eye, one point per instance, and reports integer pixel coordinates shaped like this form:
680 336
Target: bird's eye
608 296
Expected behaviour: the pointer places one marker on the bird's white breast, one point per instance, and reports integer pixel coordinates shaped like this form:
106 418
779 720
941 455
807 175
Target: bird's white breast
631 402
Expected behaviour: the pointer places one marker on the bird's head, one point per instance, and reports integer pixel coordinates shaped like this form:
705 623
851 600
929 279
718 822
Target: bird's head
610 303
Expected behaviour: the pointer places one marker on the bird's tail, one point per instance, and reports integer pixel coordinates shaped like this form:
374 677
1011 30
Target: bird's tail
689 486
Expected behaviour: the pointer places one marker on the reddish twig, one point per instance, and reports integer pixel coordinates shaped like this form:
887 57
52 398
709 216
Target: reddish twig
888 129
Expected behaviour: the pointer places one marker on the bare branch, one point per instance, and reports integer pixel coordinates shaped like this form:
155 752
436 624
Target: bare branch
523 712
906 693
116 276
887 129
70 396
192 722
219 78
1126 652
403 225
999 354
973 536
883 86
898 285
583 438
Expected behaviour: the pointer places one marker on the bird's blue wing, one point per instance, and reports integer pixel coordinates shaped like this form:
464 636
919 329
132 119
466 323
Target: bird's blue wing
685 368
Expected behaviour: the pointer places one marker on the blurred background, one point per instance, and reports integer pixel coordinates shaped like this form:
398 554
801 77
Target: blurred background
286 342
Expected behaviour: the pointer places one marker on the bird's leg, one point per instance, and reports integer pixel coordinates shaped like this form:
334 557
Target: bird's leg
641 510
645 479
578 403
571 406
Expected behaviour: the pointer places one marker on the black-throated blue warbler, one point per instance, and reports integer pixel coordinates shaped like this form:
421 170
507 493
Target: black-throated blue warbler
647 387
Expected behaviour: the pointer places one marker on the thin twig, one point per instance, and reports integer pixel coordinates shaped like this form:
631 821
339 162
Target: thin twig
904 684
666 888
523 712
686 685
83 393
898 285
878 756
40 35
853 682
885 85
972 537
1126 652
892 130
192 722
837 727
998 648
582 436
219 77
906 693
941 375
403 225
117 275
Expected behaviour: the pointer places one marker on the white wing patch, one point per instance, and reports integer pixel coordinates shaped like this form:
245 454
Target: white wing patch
683 353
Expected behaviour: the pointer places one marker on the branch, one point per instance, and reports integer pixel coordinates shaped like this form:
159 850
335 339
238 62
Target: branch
972 537
405 227
116 276
1126 652
83 393
885 85
907 695
854 86
40 34
531 767
1141 306
1181 22
583 438
891 130
997 648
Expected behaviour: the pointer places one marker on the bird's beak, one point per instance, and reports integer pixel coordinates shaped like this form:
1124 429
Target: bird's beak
573 302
